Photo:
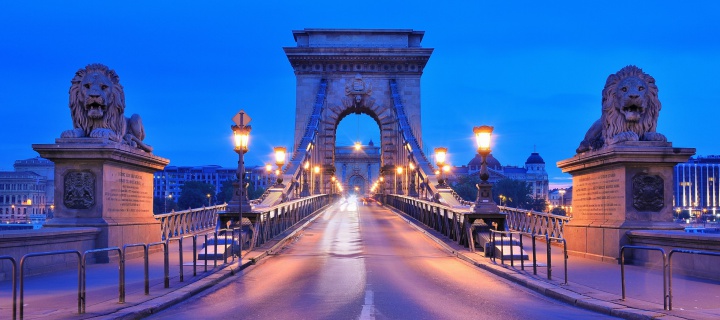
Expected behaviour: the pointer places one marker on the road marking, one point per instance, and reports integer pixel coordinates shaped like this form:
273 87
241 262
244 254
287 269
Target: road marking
368 309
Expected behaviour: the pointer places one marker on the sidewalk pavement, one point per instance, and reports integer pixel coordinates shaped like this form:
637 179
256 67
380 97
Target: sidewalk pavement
592 284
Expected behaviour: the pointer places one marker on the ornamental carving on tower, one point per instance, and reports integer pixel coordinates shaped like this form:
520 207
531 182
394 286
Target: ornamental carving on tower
358 93
79 190
647 192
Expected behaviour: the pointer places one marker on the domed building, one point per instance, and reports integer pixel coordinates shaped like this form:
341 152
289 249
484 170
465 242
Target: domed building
533 172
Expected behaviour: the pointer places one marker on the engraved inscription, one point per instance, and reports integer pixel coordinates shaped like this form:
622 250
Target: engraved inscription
79 192
598 194
648 192
128 194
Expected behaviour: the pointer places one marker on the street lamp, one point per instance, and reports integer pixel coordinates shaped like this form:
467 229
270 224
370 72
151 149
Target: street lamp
332 184
440 157
279 161
316 170
208 196
305 186
398 181
484 202
411 185
268 172
562 198
239 201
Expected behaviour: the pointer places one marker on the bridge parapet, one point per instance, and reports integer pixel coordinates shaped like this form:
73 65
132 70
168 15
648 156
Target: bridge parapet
191 221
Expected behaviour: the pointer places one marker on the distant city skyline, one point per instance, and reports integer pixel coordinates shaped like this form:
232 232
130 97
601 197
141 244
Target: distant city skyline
532 70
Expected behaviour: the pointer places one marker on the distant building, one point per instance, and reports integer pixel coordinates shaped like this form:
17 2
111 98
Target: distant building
168 183
560 198
356 167
533 173
696 188
27 194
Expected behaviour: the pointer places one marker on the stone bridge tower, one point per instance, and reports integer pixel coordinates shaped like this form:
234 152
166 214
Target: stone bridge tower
356 71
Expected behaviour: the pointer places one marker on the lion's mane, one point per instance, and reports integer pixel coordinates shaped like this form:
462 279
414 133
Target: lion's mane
113 118
614 126
613 121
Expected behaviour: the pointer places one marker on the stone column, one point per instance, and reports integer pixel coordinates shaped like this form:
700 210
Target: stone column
622 187
104 184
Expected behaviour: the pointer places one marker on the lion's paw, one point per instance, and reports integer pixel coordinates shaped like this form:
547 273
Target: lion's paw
654 136
75 133
624 136
104 133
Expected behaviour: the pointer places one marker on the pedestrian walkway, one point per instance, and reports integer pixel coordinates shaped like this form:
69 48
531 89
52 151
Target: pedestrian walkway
592 284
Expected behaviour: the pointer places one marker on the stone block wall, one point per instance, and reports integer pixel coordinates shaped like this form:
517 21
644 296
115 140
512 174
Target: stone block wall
685 264
18 243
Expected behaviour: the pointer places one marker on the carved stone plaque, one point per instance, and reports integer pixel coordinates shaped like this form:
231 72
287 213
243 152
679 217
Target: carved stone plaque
79 192
647 192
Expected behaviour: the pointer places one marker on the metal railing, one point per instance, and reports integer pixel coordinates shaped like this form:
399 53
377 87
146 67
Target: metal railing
14 284
191 221
50 253
665 270
121 275
533 222
493 241
669 267
548 256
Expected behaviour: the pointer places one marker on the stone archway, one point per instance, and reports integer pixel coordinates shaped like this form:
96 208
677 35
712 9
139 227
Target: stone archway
350 71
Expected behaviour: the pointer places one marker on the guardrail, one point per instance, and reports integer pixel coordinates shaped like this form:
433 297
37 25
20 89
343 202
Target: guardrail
493 241
50 253
669 277
665 271
14 284
180 223
271 221
533 222
548 257
121 275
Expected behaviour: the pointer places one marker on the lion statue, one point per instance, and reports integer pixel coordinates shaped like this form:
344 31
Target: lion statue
97 107
630 109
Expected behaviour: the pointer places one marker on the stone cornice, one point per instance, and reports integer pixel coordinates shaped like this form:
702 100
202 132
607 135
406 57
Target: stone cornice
100 150
628 152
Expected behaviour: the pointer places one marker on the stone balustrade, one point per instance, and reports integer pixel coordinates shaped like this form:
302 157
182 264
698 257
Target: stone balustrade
178 223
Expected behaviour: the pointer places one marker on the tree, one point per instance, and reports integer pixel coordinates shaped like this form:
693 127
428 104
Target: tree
226 192
193 194
466 186
164 205
539 205
558 211
515 193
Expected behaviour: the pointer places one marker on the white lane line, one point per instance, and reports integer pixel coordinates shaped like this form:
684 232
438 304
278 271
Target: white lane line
368 309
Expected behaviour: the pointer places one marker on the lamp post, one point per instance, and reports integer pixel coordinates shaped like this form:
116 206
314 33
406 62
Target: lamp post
440 156
208 196
268 173
332 185
316 170
241 133
305 186
412 190
484 202
279 161
398 180
562 198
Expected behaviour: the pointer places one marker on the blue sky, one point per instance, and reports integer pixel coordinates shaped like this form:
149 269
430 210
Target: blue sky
532 69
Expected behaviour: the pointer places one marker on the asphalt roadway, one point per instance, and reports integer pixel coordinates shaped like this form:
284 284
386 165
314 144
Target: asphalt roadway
363 262
340 263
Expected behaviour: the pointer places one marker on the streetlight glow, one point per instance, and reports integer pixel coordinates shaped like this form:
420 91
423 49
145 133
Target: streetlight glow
280 156
440 156
242 137
482 137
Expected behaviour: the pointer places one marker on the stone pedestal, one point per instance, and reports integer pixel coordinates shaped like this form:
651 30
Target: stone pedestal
622 187
106 185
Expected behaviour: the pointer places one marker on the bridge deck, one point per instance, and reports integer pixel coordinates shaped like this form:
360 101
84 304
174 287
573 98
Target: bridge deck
54 295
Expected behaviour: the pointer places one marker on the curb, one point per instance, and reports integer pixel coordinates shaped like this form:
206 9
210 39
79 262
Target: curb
181 294
549 289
